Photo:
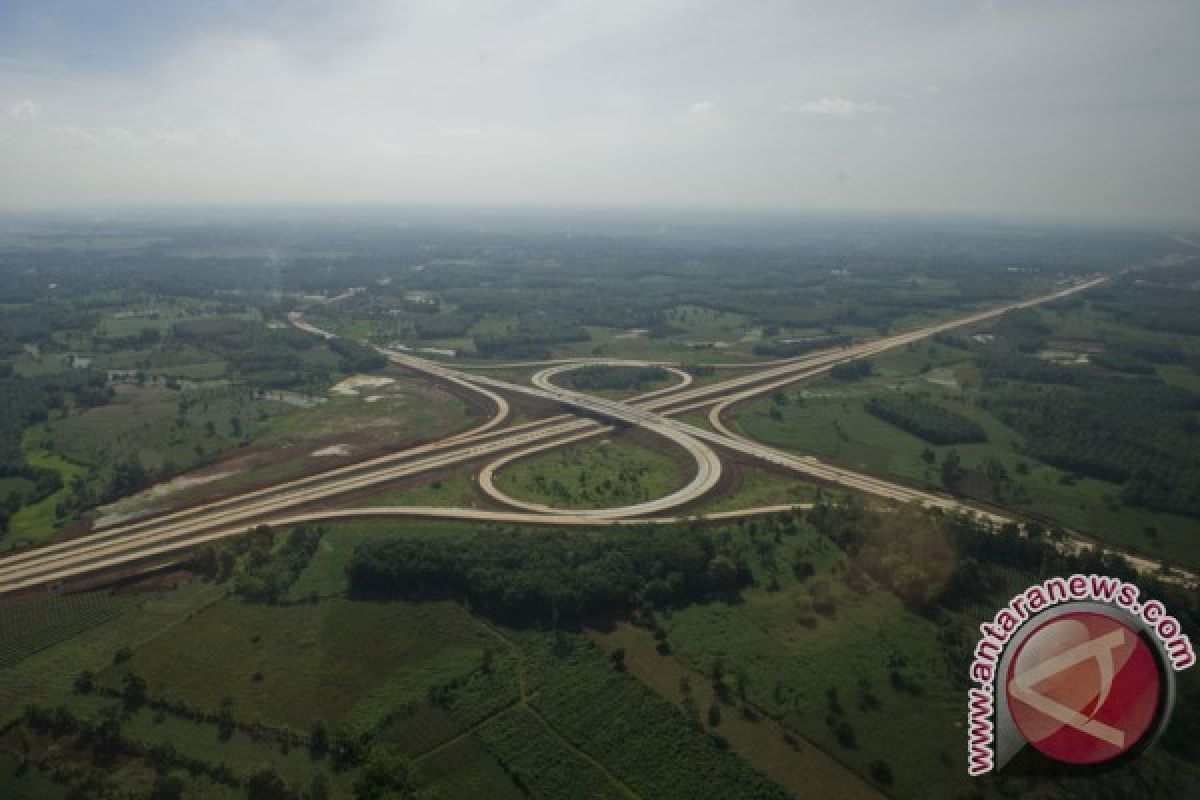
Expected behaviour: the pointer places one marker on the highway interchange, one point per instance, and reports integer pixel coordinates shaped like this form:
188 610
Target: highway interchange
130 547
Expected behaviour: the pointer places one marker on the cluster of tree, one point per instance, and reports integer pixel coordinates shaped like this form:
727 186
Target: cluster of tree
274 357
548 577
104 739
37 324
924 419
852 370
354 357
1140 433
28 401
601 377
1023 330
263 571
260 355
798 348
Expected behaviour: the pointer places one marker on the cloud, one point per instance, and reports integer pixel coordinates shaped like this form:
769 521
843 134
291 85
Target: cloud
74 135
702 107
833 107
25 109
117 135
171 137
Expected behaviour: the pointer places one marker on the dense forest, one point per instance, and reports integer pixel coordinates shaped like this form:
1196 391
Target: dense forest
547 577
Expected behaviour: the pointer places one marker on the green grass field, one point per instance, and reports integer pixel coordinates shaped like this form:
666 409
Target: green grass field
458 491
756 486
592 474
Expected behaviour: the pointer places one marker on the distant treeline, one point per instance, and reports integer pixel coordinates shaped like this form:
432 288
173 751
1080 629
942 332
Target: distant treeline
926 420
548 577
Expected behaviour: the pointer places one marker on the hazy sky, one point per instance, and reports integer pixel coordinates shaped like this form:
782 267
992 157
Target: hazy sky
1037 107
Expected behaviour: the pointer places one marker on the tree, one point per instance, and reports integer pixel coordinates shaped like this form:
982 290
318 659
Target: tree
133 693
225 721
385 776
714 714
882 773
952 471
318 788
318 739
167 787
85 682
267 785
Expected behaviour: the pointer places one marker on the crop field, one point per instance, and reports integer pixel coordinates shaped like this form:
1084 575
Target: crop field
644 741
465 768
49 673
28 626
612 471
779 752
541 762
289 665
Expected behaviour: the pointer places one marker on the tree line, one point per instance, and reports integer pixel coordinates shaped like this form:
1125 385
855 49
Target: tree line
926 420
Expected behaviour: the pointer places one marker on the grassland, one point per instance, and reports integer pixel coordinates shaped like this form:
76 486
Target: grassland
753 486
614 471
454 490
